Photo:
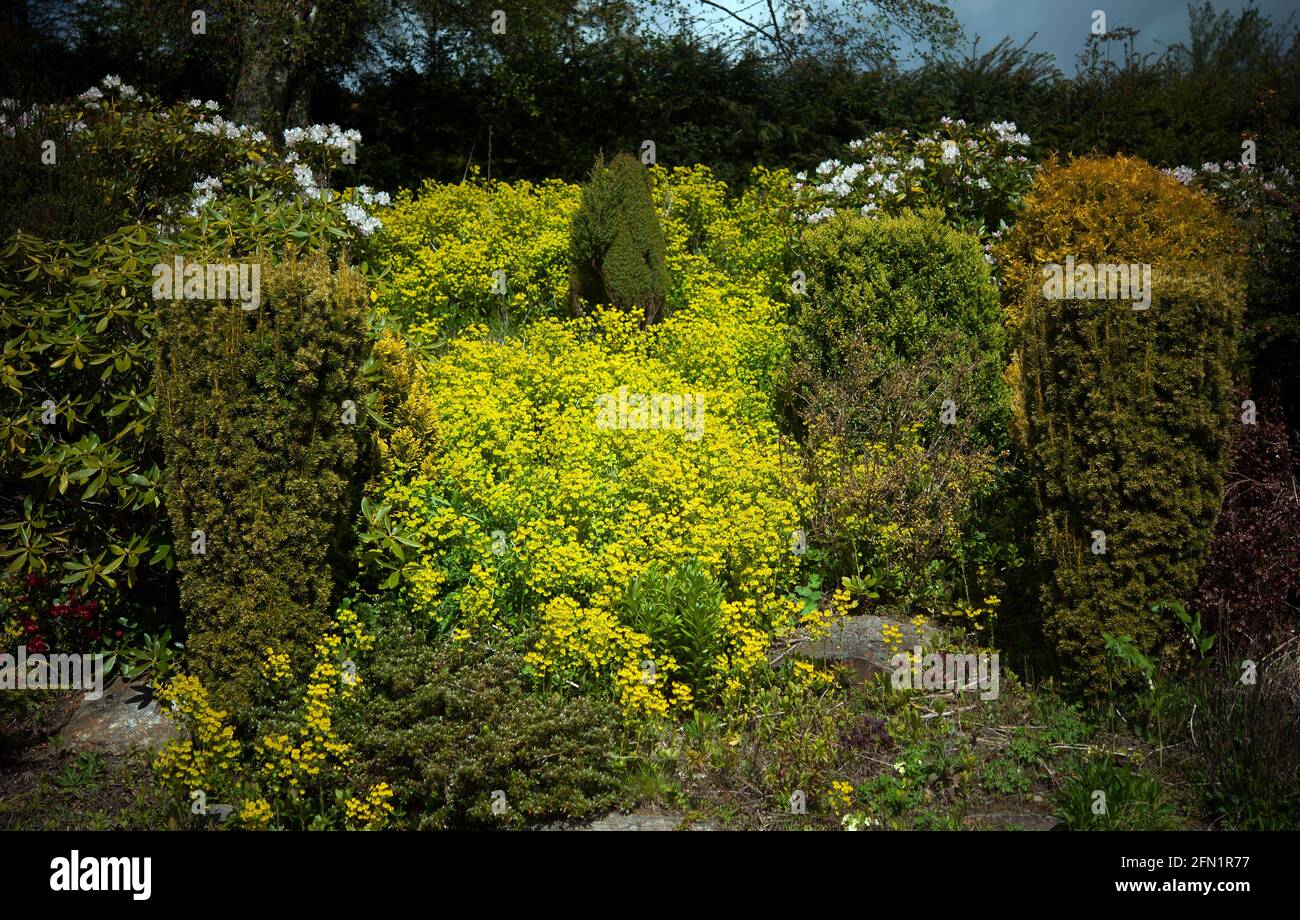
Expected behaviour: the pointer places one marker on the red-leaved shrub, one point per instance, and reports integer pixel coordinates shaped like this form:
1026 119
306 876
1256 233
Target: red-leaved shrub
1249 585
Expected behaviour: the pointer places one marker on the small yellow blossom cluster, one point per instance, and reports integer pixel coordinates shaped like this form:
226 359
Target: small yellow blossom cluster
816 623
578 643
371 811
289 765
810 677
747 644
206 756
892 637
842 793
645 690
352 631
255 813
276 667
978 617
292 763
11 631
13 611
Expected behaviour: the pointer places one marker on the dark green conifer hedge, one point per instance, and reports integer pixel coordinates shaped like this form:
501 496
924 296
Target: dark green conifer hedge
261 456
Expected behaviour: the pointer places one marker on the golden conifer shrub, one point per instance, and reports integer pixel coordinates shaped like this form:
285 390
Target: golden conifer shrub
1124 306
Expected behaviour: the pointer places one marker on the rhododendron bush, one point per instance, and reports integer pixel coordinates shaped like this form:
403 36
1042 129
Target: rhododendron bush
977 175
80 454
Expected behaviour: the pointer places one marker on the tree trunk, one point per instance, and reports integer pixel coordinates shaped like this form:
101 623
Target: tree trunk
268 93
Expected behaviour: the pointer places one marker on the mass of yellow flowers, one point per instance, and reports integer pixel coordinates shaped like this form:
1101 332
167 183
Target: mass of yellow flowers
527 511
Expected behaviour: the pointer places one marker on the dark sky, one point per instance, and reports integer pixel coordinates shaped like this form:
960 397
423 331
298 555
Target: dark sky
1062 25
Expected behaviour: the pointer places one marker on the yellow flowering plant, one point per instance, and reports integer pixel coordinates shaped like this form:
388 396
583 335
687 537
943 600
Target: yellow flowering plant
370 811
443 246
284 776
524 485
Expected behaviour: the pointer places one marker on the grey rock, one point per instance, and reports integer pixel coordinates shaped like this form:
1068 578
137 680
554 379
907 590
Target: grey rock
615 821
126 718
860 641
1025 821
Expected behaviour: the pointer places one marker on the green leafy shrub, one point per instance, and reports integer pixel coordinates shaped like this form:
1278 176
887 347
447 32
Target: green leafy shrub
616 243
893 501
80 465
447 726
118 158
261 460
1124 412
681 612
1005 776
899 330
26 718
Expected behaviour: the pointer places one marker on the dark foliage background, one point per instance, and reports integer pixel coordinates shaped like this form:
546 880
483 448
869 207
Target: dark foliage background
1254 569
433 90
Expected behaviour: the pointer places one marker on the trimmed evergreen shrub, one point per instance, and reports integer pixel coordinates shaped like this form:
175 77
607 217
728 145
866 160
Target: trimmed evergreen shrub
895 389
1124 412
447 726
904 284
616 242
260 459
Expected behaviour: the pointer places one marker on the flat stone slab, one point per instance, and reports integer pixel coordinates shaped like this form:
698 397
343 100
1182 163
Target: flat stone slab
1005 821
126 718
860 640
636 821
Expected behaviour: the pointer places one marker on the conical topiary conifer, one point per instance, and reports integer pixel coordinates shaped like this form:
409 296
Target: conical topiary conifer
616 242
